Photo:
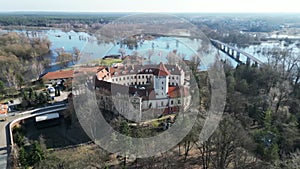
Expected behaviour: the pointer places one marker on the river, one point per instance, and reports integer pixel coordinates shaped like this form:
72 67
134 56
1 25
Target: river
162 46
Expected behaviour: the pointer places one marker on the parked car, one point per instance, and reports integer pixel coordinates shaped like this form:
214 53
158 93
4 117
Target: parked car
51 89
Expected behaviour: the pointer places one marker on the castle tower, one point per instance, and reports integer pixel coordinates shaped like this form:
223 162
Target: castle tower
161 81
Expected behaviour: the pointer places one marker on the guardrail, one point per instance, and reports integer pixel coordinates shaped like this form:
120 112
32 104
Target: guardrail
53 109
42 108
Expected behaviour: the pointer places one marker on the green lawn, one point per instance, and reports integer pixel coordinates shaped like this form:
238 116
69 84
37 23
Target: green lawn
109 62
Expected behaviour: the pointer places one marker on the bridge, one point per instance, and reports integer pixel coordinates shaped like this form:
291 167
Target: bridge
235 53
231 51
6 137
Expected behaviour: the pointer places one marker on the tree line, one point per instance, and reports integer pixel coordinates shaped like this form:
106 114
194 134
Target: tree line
22 59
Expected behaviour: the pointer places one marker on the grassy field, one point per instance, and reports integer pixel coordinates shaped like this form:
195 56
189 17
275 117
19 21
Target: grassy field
109 62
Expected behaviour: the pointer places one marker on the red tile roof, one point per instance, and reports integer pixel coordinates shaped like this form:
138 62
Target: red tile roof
3 109
65 74
175 92
62 74
103 74
163 71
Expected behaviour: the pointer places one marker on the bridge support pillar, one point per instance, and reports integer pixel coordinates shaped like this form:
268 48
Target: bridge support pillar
255 64
248 61
228 51
219 45
232 52
238 54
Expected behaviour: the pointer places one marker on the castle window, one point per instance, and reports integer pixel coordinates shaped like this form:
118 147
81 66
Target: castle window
179 102
172 102
123 78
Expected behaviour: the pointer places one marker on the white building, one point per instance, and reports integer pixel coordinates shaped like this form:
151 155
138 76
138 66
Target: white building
160 87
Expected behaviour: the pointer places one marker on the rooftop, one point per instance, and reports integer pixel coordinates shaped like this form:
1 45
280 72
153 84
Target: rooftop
3 109
62 74
158 70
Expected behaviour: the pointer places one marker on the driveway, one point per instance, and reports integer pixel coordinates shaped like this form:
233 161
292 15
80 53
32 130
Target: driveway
4 140
3 145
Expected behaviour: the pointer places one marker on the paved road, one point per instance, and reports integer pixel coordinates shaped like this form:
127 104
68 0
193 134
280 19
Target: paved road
4 129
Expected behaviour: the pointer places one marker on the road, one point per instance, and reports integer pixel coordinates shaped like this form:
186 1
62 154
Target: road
5 133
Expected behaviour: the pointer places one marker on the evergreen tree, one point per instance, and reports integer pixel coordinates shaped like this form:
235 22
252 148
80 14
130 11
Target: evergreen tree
23 157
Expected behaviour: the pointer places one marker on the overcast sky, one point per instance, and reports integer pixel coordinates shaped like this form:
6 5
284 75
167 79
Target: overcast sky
255 6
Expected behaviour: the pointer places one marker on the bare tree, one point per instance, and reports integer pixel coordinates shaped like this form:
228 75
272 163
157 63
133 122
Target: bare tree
11 71
149 54
37 68
229 137
63 58
76 54
205 149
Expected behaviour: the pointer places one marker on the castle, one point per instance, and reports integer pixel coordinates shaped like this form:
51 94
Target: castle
161 88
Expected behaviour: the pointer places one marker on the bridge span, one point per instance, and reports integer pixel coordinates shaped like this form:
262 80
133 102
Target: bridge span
235 53
231 51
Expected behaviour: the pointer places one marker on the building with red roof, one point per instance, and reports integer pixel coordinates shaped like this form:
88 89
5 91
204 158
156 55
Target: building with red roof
3 109
160 87
62 74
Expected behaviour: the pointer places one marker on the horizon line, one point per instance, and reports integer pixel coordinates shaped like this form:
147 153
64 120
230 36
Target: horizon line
179 12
